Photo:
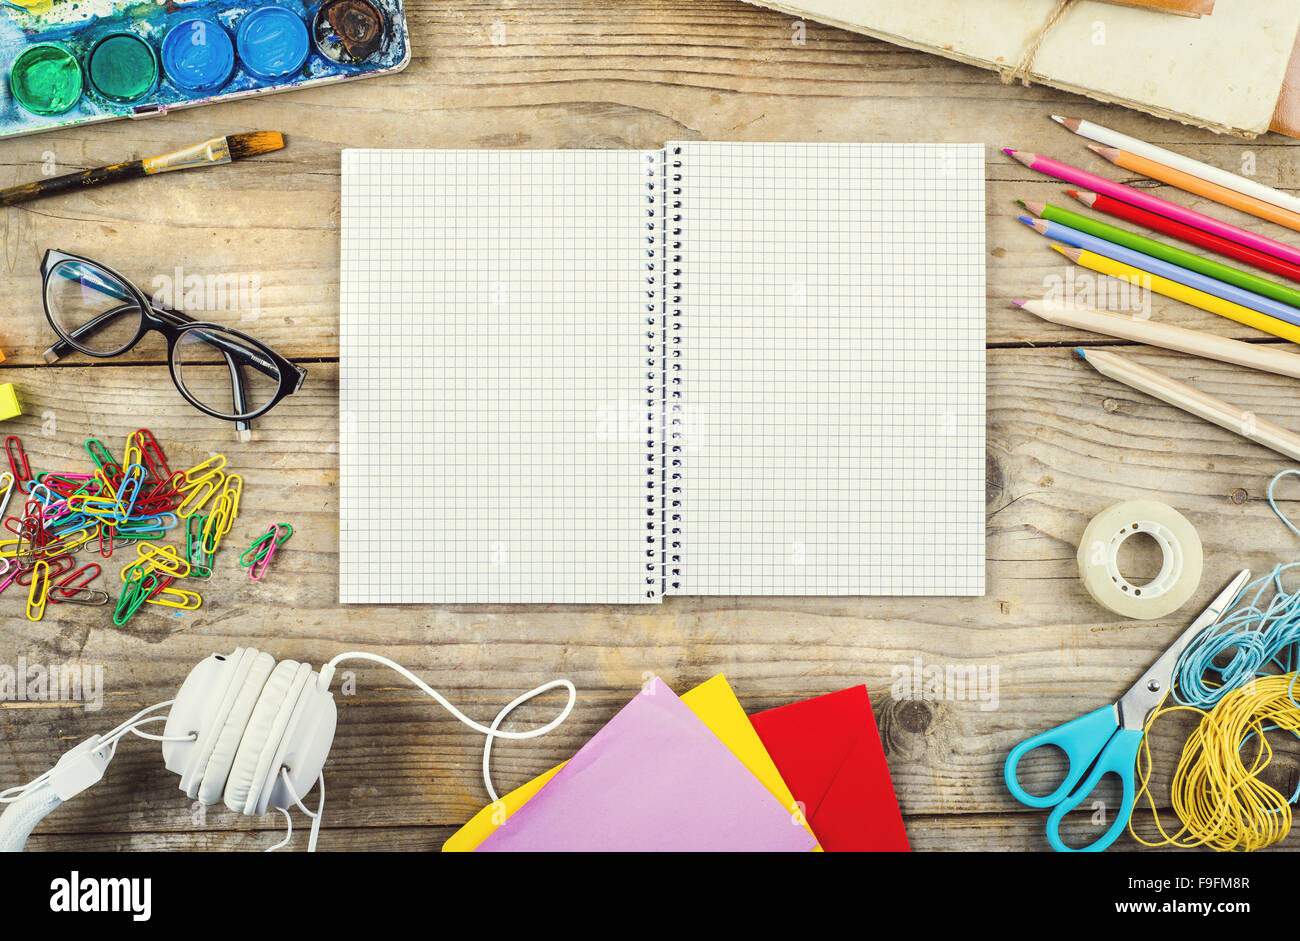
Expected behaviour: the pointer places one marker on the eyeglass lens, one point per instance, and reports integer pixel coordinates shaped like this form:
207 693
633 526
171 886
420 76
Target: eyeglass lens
203 359
91 307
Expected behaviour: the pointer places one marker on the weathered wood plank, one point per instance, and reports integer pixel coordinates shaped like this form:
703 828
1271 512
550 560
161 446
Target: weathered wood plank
1063 443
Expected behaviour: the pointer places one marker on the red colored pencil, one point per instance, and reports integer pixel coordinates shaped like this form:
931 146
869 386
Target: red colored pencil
1188 233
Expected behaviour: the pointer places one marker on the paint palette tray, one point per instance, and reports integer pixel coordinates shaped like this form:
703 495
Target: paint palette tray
76 61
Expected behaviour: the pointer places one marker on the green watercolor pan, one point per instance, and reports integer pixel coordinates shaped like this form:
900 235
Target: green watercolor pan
79 61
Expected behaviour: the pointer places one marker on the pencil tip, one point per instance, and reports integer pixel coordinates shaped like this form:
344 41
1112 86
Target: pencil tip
1081 353
1018 303
1009 151
1026 220
1021 204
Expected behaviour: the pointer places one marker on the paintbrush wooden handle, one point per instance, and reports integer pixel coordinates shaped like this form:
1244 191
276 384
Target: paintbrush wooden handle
113 173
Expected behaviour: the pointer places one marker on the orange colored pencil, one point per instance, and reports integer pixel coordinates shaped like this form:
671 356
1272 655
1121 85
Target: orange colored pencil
1198 186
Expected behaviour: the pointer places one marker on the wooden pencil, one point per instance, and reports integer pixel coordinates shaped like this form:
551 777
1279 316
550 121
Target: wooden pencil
1180 395
1265 358
1180 292
1109 138
1188 234
1198 187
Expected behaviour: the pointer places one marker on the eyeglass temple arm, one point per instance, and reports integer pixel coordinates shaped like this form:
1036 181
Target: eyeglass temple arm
237 392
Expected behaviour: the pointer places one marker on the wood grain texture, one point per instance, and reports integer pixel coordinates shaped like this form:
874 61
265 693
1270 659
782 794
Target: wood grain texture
1063 442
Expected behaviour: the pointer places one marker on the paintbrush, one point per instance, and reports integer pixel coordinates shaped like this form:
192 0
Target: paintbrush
209 153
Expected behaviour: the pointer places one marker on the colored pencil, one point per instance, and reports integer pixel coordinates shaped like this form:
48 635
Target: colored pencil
1244 185
1187 233
1175 256
1183 396
1180 292
1264 357
1198 187
1135 197
1192 279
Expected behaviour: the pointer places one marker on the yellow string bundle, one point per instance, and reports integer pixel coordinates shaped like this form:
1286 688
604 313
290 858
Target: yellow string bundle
1217 791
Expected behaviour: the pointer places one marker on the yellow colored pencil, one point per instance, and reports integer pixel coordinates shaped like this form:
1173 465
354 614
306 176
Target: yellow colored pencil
1180 292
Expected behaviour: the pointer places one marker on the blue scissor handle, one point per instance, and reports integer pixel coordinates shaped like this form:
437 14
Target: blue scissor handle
1082 740
1118 758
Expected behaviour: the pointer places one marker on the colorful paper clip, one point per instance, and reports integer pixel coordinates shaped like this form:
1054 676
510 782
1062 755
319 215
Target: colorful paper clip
176 598
19 466
257 557
203 471
37 593
134 594
8 485
66 592
152 453
165 559
199 494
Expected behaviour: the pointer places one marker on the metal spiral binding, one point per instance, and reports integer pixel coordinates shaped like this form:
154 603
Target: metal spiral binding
672 394
653 388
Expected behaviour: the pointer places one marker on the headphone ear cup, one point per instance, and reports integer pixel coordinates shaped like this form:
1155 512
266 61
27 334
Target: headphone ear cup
231 731
200 709
304 750
262 737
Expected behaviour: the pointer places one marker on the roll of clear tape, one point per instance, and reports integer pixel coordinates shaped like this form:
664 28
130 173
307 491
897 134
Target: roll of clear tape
1180 567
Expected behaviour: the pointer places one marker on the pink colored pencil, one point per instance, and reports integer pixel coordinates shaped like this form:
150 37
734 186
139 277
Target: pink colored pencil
1163 207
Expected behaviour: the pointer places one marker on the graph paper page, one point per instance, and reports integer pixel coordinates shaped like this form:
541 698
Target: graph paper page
495 338
831 326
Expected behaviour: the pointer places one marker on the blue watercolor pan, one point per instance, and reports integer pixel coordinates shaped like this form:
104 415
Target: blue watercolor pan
204 52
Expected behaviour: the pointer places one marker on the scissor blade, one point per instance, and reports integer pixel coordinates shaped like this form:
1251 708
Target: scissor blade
1150 690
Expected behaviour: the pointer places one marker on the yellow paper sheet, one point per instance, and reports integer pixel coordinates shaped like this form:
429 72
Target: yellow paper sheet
717 707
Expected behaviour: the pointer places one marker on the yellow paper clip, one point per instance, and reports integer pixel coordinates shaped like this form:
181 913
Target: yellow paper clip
197 496
212 526
134 453
40 589
234 488
204 470
165 559
177 598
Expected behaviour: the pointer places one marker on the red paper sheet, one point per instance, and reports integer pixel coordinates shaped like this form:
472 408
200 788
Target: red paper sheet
828 751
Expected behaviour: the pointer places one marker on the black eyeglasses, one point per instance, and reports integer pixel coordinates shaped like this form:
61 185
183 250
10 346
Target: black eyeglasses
221 372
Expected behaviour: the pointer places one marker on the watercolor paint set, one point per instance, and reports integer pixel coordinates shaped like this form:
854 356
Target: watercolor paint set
79 61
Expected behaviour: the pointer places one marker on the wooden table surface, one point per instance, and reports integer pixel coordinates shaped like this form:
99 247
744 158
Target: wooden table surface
1063 442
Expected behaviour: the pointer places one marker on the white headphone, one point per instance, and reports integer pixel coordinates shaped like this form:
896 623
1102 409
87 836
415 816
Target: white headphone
245 730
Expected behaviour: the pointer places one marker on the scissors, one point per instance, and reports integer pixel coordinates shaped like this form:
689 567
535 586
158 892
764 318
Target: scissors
1107 741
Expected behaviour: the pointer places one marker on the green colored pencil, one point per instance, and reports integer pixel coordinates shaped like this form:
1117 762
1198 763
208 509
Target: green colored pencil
1175 256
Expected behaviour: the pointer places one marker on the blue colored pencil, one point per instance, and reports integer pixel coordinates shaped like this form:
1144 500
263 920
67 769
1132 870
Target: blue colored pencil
1156 266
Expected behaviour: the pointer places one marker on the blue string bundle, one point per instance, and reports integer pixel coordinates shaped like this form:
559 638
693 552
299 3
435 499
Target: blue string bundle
1261 631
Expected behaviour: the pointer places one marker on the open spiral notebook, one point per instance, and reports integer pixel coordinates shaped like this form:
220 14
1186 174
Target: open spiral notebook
714 369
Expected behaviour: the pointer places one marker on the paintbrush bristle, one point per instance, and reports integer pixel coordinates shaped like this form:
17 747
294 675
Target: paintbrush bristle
254 143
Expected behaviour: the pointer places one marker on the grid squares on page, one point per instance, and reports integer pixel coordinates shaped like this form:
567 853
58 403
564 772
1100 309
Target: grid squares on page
493 377
832 336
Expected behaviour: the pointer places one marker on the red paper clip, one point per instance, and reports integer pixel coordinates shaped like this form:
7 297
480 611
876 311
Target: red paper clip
18 463
151 452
